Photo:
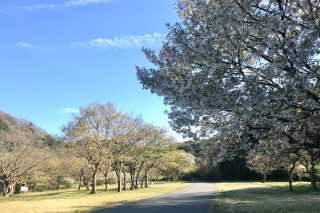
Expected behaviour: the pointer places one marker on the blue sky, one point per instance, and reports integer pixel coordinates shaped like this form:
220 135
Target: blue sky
59 55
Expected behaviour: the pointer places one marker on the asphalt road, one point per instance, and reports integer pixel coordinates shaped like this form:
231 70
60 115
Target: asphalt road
195 198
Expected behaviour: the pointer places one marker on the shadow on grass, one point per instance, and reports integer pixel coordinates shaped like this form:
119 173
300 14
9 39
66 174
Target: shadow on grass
269 198
58 194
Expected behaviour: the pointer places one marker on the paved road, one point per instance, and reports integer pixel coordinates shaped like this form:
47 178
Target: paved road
195 198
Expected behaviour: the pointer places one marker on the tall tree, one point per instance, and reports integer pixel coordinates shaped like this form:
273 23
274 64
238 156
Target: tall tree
247 69
125 134
91 133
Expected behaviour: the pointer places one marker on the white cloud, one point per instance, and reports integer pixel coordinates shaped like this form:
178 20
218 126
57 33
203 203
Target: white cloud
123 42
41 7
63 5
26 45
83 2
68 110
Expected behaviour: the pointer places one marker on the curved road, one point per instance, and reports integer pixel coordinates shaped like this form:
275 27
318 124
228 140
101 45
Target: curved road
196 197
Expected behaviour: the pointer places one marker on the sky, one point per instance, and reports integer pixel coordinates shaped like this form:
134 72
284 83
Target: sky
59 55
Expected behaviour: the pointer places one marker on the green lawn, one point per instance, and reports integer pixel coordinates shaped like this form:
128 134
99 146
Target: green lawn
246 197
71 200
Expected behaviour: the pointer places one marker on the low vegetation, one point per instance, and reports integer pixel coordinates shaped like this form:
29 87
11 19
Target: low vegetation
72 200
249 197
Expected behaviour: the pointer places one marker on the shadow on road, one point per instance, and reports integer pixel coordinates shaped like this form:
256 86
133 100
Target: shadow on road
194 198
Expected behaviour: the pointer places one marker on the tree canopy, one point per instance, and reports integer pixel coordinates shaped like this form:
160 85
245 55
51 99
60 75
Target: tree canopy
244 72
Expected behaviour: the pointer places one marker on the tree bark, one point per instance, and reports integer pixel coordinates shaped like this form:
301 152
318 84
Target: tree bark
124 179
118 168
264 178
80 183
11 187
146 178
136 186
106 183
142 182
290 176
94 180
58 182
87 184
35 187
311 170
132 175
312 176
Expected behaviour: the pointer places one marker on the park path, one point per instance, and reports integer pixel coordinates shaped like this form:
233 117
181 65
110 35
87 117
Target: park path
195 198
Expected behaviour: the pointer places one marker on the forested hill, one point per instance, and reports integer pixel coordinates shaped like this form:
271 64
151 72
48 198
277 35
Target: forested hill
192 147
14 126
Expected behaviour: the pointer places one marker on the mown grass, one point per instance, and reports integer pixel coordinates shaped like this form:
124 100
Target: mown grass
71 200
247 197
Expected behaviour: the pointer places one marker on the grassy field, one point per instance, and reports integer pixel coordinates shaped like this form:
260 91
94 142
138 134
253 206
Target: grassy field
246 197
71 200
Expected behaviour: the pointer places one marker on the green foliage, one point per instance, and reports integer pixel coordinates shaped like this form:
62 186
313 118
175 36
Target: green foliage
111 180
100 182
4 126
50 141
192 147
66 184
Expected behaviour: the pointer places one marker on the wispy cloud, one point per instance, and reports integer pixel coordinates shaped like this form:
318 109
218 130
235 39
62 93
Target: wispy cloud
68 110
26 45
63 5
123 42
83 2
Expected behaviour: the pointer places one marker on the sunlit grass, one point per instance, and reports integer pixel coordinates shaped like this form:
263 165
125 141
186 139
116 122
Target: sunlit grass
249 197
71 200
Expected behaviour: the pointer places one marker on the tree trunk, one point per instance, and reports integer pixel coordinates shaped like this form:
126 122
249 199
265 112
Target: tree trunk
290 176
137 176
132 175
142 182
58 182
146 178
80 183
88 184
124 179
118 168
35 187
94 180
312 176
11 187
105 173
132 180
5 190
264 178
106 182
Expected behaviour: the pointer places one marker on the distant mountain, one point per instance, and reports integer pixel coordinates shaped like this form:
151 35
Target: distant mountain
12 125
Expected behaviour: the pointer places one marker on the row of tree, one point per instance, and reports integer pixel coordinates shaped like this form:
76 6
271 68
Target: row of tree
98 141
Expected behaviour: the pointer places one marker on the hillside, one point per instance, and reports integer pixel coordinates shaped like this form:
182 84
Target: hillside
14 126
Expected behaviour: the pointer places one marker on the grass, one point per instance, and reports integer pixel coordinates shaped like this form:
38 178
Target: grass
71 200
246 197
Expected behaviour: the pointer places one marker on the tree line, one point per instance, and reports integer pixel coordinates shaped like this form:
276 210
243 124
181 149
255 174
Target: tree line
99 140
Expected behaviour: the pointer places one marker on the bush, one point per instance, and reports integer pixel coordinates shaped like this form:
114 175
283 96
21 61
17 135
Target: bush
100 182
111 180
66 184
